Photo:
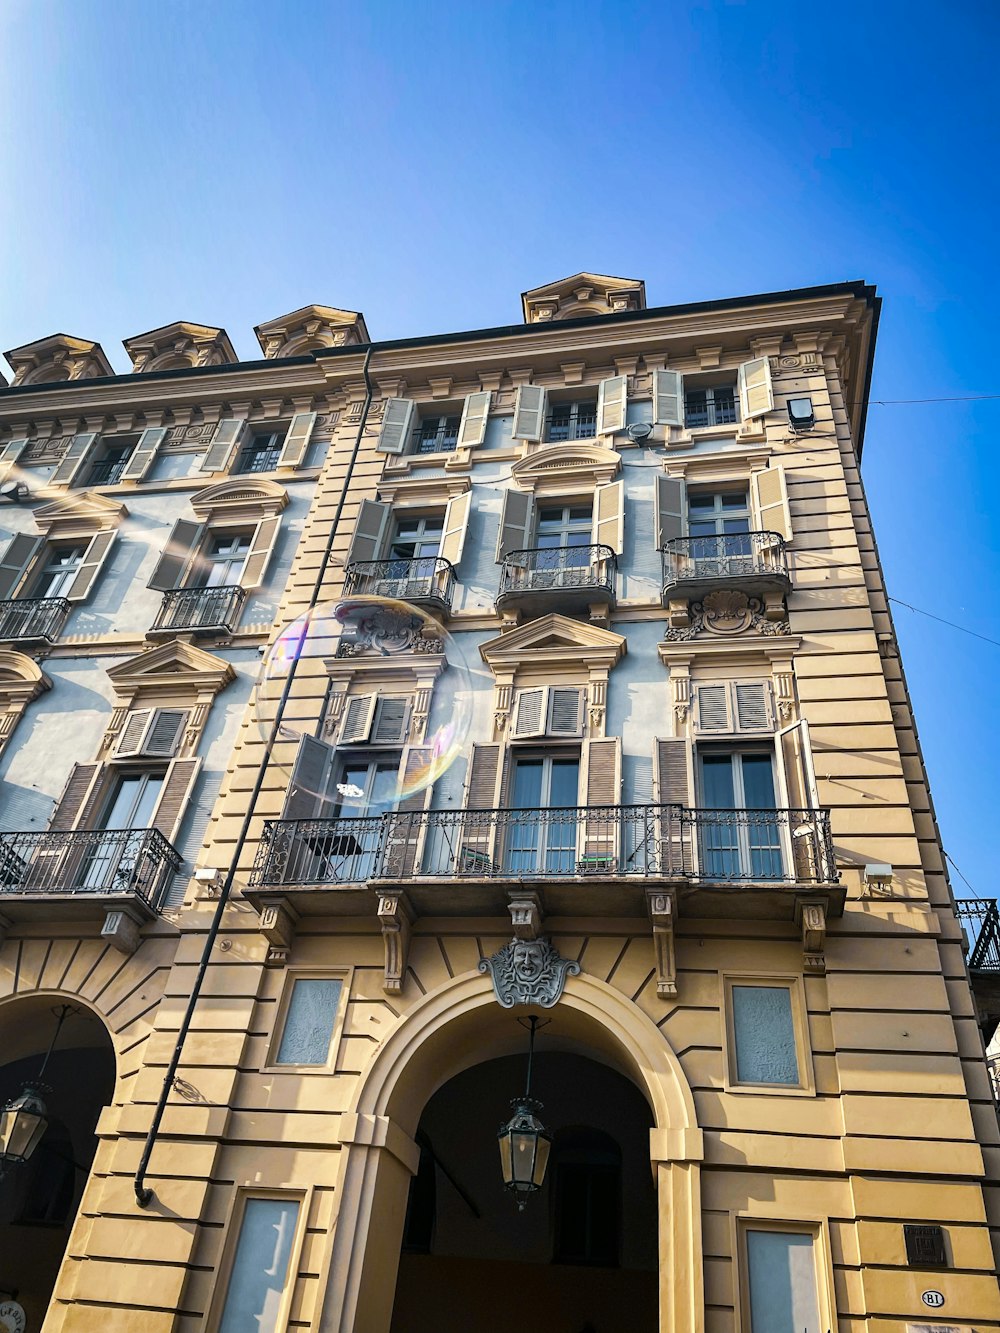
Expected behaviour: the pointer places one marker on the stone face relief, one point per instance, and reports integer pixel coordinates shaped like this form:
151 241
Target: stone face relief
528 972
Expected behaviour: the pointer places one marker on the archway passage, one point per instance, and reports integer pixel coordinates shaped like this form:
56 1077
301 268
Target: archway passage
581 1258
40 1197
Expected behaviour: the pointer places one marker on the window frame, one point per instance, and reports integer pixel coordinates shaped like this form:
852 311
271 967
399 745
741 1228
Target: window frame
708 386
574 405
765 1218
232 1229
113 449
291 975
793 983
277 434
424 415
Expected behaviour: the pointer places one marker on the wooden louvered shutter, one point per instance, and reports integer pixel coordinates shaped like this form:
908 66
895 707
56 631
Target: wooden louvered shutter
797 780
529 713
370 531
752 705
609 516
756 393
398 420
165 732
771 498
10 454
456 522
131 734
185 538
93 560
673 781
484 793
668 398
565 710
712 711
261 550
78 796
293 451
406 830
612 405
392 717
224 441
358 713
174 794
15 561
475 413
307 790
670 509
77 453
515 523
599 846
530 406
141 458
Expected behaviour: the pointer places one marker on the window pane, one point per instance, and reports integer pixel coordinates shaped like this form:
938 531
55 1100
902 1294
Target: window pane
758 782
764 1035
782 1277
260 1267
309 1021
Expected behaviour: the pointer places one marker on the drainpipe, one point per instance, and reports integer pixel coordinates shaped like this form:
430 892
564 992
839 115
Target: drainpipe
143 1194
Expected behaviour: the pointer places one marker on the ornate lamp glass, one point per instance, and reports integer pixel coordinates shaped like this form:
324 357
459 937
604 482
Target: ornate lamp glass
524 1150
23 1122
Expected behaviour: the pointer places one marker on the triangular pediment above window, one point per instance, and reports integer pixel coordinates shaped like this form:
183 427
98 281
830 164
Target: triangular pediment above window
582 294
562 465
84 510
554 639
181 671
239 499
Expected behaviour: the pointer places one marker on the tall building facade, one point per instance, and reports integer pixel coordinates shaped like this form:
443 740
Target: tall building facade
581 713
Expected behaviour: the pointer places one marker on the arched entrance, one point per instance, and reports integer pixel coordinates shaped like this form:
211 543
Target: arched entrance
39 1198
454 1029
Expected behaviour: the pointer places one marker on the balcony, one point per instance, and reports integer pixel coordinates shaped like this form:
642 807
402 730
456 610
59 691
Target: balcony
427 581
980 922
199 611
581 860
752 562
561 578
33 620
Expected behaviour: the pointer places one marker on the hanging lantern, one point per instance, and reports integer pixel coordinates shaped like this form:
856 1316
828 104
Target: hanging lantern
524 1141
23 1122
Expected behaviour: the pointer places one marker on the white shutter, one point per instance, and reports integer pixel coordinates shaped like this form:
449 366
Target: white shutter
608 528
771 499
78 452
795 750
456 521
392 718
515 523
472 428
131 734
756 394
358 713
368 541
9 455
670 509
141 458
293 451
224 441
398 420
164 733
612 403
185 538
668 398
529 713
98 550
565 711
752 705
712 708
259 556
530 407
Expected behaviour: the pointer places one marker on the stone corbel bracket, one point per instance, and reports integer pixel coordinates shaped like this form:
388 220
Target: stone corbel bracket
810 914
661 905
277 925
525 913
395 916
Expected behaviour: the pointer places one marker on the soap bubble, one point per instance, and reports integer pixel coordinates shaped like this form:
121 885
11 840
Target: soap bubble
387 729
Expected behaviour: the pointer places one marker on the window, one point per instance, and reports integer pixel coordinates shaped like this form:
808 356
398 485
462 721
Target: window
714 405
764 1035
258 1276
221 563
309 1021
57 574
261 451
217 553
112 456
131 802
382 533
436 435
718 513
587 1186
416 539
38 568
566 531
262 448
782 1288
742 842
550 783
572 421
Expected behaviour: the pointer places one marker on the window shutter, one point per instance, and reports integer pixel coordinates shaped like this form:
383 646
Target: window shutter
174 794
668 398
10 454
599 844
530 407
475 413
673 783
164 733
259 555
398 420
310 780
456 521
529 713
93 559
76 455
77 797
670 506
481 788
752 705
391 725
771 496
185 537
358 713
368 542
144 452
756 393
565 711
609 516
220 451
515 523
131 734
405 837
712 711
612 404
602 764
797 766
485 790
21 551
293 451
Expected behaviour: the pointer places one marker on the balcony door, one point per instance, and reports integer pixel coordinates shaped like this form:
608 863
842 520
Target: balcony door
542 833
413 556
364 788
718 529
111 861
738 831
59 571
222 562
563 537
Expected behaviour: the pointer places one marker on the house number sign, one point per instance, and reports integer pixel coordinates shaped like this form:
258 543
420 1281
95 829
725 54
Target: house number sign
933 1299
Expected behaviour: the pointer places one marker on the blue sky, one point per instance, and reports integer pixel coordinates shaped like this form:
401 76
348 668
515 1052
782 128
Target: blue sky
425 163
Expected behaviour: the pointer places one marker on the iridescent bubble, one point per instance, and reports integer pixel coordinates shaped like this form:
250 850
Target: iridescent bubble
376 702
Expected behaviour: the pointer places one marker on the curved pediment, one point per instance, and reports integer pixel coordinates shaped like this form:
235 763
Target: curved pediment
21 676
559 465
256 498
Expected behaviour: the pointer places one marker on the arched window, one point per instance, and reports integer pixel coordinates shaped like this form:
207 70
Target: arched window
587 1194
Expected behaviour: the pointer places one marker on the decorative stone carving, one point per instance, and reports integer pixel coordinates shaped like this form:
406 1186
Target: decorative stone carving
277 925
727 614
396 919
812 918
525 913
383 630
661 904
121 931
528 972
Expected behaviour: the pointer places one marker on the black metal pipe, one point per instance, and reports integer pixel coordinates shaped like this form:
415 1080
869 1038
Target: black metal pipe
143 1194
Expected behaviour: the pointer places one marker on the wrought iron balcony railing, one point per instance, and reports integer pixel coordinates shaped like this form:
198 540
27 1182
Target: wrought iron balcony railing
715 408
103 862
425 579
38 618
980 919
708 846
733 556
216 609
107 472
588 570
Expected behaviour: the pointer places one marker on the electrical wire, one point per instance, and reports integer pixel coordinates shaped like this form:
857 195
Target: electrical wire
959 874
941 621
